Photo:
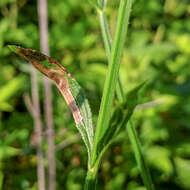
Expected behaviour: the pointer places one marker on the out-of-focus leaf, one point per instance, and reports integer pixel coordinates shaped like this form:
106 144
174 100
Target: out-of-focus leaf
117 182
183 172
4 2
34 187
20 134
1 180
4 106
8 91
152 130
4 25
69 88
154 51
159 157
183 149
183 43
134 186
72 182
8 151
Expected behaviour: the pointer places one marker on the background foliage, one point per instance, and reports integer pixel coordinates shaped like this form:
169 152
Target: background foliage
157 49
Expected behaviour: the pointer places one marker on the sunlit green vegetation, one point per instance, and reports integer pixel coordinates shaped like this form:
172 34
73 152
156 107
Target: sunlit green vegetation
157 50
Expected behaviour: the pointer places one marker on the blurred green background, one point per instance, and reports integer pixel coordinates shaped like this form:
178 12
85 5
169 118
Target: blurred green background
157 49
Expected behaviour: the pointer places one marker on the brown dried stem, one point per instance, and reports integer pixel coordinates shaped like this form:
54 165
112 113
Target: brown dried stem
43 24
28 104
38 128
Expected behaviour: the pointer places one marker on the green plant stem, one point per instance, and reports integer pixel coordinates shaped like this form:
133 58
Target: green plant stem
108 46
113 71
120 94
91 179
145 174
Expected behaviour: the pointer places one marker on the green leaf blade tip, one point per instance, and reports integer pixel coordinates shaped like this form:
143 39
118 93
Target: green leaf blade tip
13 48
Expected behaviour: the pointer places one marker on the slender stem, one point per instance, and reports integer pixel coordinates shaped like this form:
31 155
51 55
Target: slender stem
108 46
105 33
145 174
113 71
43 24
120 94
68 141
38 129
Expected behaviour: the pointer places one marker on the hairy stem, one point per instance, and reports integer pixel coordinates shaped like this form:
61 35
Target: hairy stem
112 74
120 94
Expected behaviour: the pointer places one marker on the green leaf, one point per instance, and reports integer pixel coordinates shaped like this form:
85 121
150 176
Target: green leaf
182 172
9 90
4 106
8 151
120 117
69 88
160 158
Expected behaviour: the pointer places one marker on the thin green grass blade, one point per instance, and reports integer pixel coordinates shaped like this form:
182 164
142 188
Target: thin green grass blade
112 74
144 170
120 94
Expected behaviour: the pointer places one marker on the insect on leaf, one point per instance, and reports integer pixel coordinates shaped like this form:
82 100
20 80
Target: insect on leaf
69 88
